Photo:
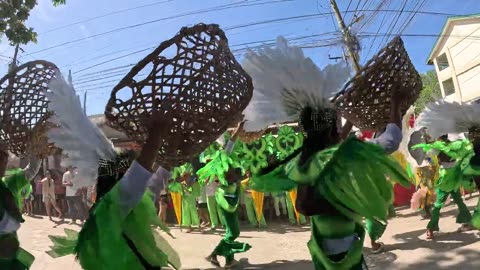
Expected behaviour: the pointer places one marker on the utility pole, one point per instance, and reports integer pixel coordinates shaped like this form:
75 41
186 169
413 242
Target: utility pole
13 65
352 53
346 36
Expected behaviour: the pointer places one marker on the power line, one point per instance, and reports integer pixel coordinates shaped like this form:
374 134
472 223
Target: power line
116 58
217 8
245 25
106 15
413 16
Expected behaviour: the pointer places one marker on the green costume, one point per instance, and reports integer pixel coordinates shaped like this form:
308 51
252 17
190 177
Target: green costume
214 212
189 209
12 256
346 189
451 179
228 199
113 240
252 214
292 218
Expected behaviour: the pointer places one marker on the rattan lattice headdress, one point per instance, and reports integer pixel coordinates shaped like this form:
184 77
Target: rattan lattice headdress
24 107
196 80
288 86
365 100
118 165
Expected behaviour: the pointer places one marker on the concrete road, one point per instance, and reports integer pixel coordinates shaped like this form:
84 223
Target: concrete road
284 247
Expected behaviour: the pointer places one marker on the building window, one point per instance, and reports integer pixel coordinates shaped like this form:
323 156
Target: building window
448 87
442 62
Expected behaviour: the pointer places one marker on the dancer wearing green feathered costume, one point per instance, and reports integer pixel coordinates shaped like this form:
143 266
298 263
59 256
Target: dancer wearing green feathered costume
456 170
338 186
338 183
120 232
226 170
12 256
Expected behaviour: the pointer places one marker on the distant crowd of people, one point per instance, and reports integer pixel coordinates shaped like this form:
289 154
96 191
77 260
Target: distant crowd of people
55 192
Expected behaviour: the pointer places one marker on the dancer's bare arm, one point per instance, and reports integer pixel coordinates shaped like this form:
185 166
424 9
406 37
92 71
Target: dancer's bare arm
135 181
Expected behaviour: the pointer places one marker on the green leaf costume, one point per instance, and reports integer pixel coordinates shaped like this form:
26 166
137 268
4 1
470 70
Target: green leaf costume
228 198
451 179
102 245
351 177
11 204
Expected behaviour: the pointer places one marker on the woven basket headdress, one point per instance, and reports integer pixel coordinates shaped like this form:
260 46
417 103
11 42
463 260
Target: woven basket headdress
24 108
195 80
365 100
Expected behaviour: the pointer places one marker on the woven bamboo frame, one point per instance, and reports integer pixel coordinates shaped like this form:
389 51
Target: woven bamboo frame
365 100
199 85
25 108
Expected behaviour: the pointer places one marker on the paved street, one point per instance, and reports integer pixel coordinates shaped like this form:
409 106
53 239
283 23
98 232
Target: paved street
284 247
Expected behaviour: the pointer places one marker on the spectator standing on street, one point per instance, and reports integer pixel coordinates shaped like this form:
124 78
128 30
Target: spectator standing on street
74 199
48 194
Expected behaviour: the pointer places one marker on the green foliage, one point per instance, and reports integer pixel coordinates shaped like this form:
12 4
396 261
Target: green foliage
430 92
13 16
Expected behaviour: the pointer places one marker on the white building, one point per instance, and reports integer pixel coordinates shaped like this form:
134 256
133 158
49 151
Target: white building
456 56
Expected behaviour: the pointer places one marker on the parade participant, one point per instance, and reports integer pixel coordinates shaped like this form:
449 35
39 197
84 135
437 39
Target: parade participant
255 218
292 214
213 207
191 190
12 256
202 208
338 183
227 197
459 159
447 166
227 172
120 230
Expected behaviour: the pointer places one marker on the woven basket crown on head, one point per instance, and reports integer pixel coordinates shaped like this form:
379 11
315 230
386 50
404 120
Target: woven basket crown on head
195 80
25 108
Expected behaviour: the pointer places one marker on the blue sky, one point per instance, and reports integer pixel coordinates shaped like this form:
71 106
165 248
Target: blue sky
82 55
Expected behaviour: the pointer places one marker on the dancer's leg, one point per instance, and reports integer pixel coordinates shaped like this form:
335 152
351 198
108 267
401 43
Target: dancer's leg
249 206
291 211
212 210
283 205
432 226
276 205
464 216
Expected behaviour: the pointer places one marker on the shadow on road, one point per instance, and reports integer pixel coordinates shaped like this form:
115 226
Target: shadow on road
469 260
277 265
442 241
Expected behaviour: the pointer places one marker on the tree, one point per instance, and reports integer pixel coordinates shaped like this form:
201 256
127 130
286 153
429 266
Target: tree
13 15
430 92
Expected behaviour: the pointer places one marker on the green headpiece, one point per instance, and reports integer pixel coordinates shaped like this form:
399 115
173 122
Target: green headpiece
15 182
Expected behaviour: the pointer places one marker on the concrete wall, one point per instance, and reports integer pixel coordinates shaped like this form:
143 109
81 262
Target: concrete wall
462 48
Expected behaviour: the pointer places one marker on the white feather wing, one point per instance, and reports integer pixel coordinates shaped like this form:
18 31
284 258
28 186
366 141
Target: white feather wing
285 81
80 139
442 118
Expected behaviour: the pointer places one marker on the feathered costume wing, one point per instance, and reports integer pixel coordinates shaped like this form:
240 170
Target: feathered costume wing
83 143
285 81
442 118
